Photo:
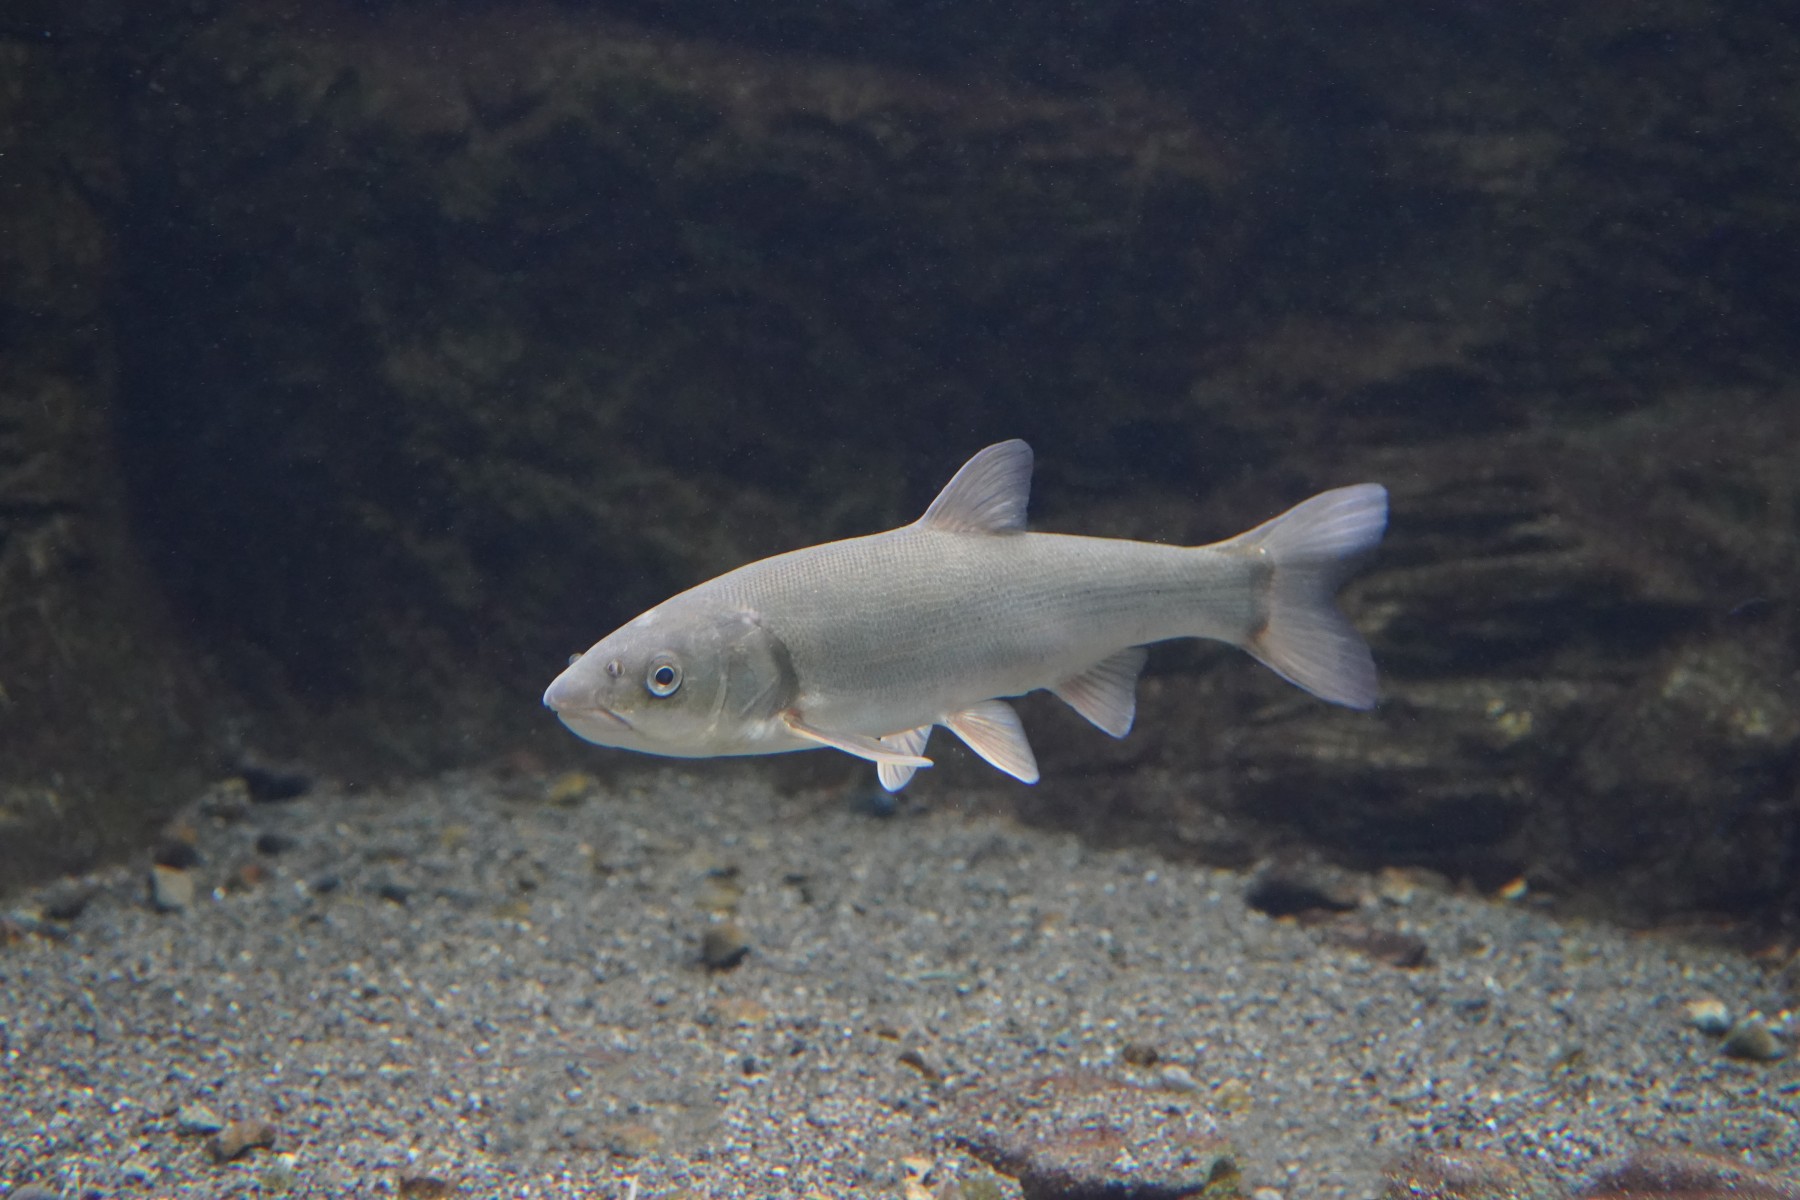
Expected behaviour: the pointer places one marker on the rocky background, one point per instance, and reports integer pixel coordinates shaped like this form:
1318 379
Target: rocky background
358 362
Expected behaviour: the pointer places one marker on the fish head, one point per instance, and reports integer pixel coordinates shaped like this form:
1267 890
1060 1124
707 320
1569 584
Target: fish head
693 685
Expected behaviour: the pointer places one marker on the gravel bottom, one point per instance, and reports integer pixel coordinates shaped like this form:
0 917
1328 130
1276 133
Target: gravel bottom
500 985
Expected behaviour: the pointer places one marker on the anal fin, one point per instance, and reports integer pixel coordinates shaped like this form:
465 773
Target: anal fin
873 749
1106 693
992 730
893 776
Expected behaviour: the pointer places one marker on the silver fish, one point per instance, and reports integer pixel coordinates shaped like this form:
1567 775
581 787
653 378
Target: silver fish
864 645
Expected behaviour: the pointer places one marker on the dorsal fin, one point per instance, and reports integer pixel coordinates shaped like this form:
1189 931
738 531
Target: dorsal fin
988 495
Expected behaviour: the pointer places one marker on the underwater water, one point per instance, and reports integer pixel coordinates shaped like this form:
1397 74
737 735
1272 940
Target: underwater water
360 363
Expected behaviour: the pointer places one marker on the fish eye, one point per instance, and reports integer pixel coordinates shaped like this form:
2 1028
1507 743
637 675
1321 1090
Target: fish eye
664 678
574 658
612 668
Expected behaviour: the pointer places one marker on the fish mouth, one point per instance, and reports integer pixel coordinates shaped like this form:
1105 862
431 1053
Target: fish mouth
600 710
591 712
600 725
566 706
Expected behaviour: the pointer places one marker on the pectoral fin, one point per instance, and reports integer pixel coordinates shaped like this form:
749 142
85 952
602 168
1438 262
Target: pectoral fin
1106 693
912 741
873 749
992 730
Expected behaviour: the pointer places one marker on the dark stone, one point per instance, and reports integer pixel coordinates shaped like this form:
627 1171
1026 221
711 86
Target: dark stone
393 891
724 945
1288 889
1082 1136
1403 950
1687 1175
271 842
100 699
1464 1175
67 899
271 785
240 1137
176 852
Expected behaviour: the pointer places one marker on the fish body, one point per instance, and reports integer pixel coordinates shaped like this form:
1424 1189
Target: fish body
864 645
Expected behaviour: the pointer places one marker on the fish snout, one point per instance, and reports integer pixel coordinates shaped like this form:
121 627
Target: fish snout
567 695
576 701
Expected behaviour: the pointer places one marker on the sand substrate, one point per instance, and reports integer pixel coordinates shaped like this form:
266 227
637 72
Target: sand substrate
500 985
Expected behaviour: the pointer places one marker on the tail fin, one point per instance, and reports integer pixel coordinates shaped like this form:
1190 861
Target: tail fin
1311 547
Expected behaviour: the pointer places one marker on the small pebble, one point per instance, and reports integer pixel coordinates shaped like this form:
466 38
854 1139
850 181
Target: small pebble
632 1139
177 851
31 1191
171 889
720 891
271 785
279 1177
1709 1015
272 843
571 788
741 1011
1177 1078
1300 888
67 898
1233 1096
1752 1039
241 1136
228 800
1390 946
393 891
914 1058
1140 1054
1394 886
723 946
197 1119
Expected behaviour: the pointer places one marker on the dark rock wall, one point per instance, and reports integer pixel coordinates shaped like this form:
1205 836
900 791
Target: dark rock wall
101 708
451 334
